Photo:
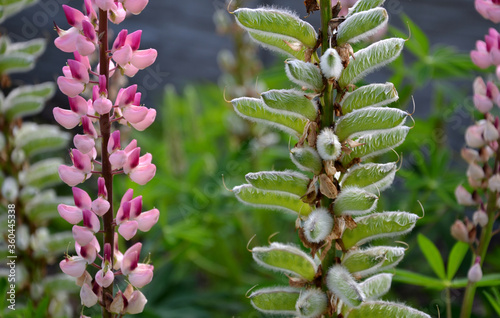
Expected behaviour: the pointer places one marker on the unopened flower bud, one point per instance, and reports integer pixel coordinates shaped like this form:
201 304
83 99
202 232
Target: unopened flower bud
490 132
318 225
459 231
475 172
475 273
469 155
480 217
463 196
474 136
494 183
328 144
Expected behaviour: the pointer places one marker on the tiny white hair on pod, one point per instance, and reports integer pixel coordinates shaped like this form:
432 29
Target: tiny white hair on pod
328 145
331 64
318 225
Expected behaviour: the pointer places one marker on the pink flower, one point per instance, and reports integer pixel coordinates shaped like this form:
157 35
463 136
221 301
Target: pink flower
88 296
81 37
130 218
75 78
127 55
73 266
83 235
130 301
135 6
138 274
489 9
488 52
139 169
72 117
79 171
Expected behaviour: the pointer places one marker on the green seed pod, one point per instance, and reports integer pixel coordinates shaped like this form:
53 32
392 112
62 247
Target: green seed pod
276 300
371 177
291 100
255 110
384 309
364 5
42 174
375 95
279 23
274 200
10 189
379 225
331 64
328 145
311 303
318 225
360 26
306 159
376 286
287 259
369 59
377 143
304 74
43 206
27 100
366 262
34 139
355 201
277 44
368 120
343 285
286 181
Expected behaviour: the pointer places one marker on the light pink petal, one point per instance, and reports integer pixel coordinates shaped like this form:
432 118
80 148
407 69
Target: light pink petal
118 159
131 258
126 96
71 214
88 252
135 114
73 266
78 105
147 219
66 41
130 70
135 6
135 207
148 120
134 40
114 141
104 280
91 221
84 143
482 103
481 59
82 235
136 302
66 117
87 296
128 229
123 55
144 58
117 16
102 105
141 276
129 194
132 160
131 146
73 16
81 161
84 46
81 198
106 4
70 175
70 86
143 174
79 72
100 206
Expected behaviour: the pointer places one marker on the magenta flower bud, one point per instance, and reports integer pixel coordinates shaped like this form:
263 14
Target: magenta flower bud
71 175
101 188
135 6
459 231
107 253
71 214
73 266
142 59
78 71
475 273
73 16
137 99
84 143
475 172
114 141
463 196
66 118
480 217
89 9
104 279
87 296
120 40
128 229
147 219
136 302
489 9
123 213
135 207
129 194
148 120
81 198
494 183
103 85
141 275
69 86
91 221
474 136
481 56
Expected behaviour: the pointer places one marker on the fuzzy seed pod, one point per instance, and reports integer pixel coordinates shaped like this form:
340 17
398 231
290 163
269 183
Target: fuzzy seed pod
343 285
311 303
331 64
328 144
318 225
306 159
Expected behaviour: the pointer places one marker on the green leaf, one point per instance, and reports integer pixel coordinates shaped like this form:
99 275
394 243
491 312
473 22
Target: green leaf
278 23
369 59
360 26
355 201
279 45
372 177
286 258
432 255
286 181
369 119
291 100
275 200
407 277
364 5
374 95
384 309
277 300
493 300
304 74
255 110
488 280
456 258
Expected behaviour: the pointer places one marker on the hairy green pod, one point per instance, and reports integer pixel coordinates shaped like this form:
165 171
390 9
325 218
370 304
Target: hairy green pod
43 206
278 23
377 143
384 309
304 74
355 201
360 26
365 262
367 120
306 159
328 145
3 141
278 45
286 181
364 5
372 177
276 300
34 139
275 200
369 59
379 225
376 286
318 225
26 100
255 110
311 303
374 95
34 47
287 259
291 100
42 174
343 285
16 63
331 64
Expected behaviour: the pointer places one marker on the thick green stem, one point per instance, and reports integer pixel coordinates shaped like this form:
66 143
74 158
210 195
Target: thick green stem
105 127
326 16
